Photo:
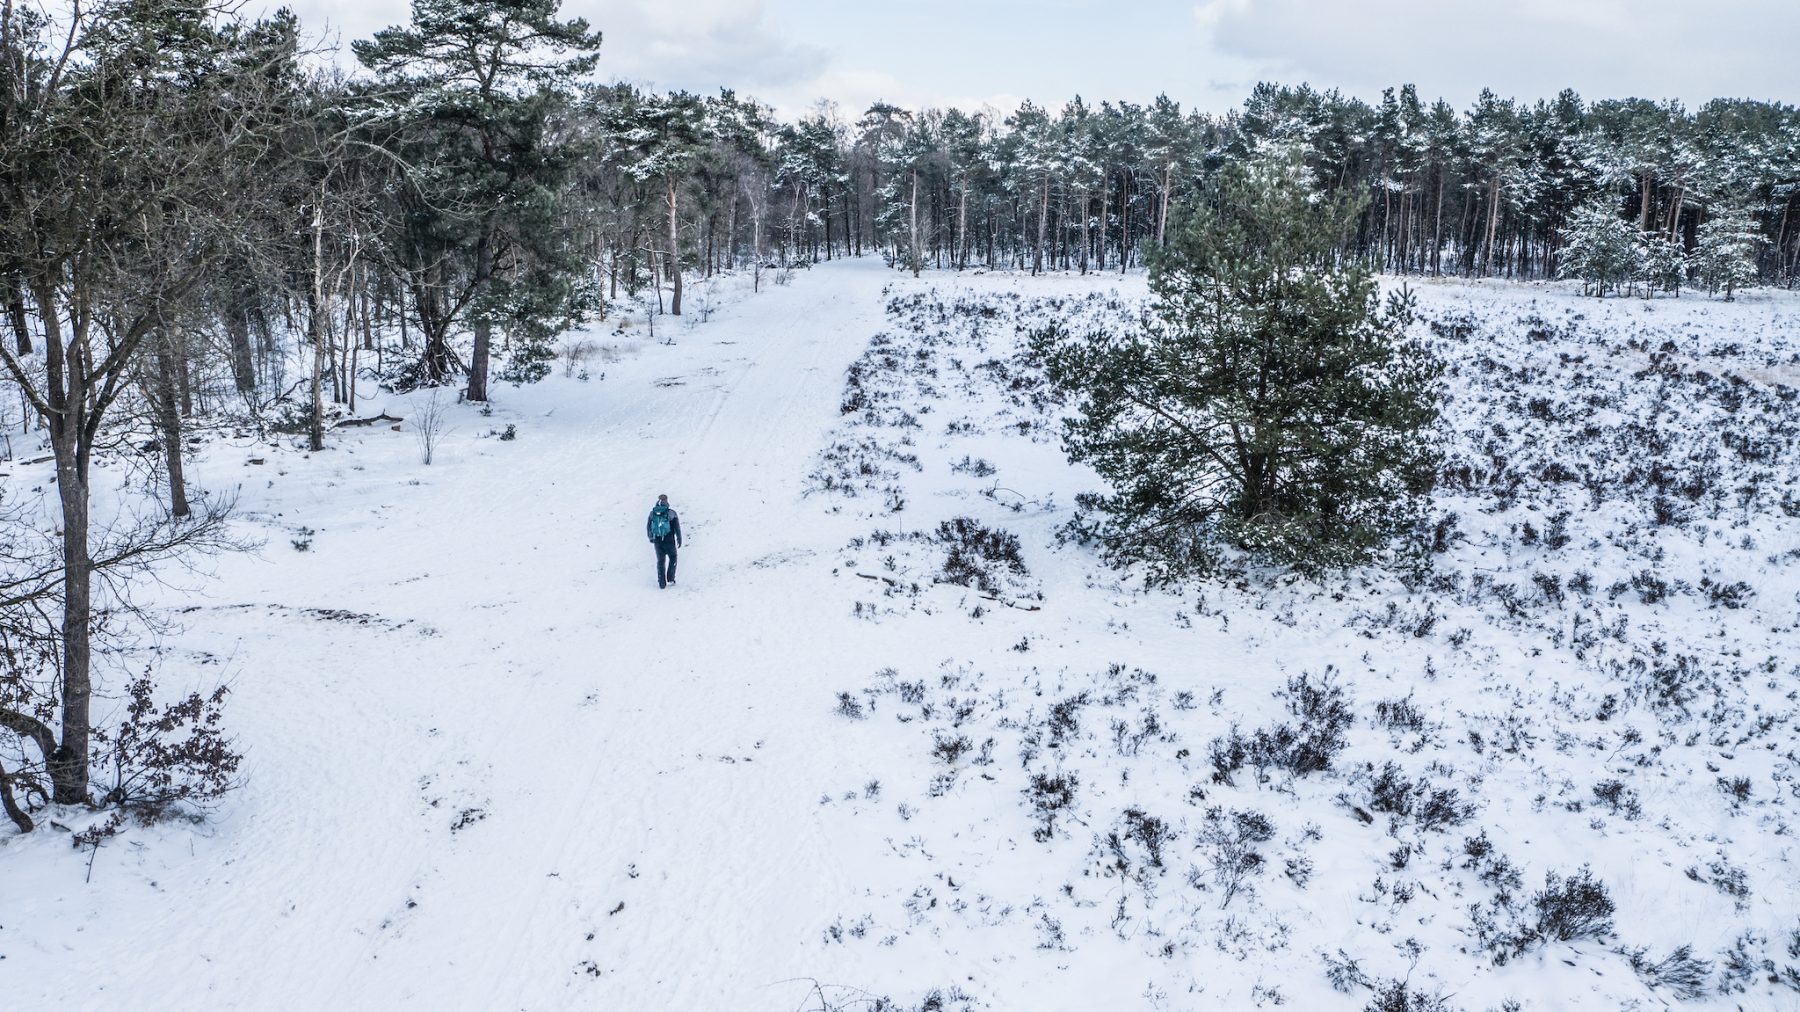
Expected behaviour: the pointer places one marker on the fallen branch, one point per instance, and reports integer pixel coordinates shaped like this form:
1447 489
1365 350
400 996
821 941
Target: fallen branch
1009 604
890 581
383 417
993 492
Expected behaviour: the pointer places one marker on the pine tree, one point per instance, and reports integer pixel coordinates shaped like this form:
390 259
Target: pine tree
909 155
1272 403
1035 164
1600 249
1725 252
468 90
661 142
963 139
1493 132
808 165
1169 138
1661 263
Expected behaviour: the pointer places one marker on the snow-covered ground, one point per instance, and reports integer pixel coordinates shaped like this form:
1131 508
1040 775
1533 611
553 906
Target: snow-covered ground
490 765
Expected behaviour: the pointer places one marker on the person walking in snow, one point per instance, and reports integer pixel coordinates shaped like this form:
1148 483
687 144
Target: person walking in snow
664 529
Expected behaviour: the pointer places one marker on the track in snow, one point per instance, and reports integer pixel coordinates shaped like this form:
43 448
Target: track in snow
599 742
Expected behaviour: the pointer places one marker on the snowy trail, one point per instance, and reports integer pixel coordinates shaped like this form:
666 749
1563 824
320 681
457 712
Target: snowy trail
600 795
603 743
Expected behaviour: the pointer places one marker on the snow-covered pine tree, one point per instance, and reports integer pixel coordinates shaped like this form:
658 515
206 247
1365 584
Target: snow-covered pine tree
1168 141
810 164
1273 403
1725 252
965 139
1084 173
1661 263
919 150
1035 163
1600 249
661 143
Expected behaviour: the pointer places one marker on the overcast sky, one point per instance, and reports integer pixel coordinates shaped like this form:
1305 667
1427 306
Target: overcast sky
1206 55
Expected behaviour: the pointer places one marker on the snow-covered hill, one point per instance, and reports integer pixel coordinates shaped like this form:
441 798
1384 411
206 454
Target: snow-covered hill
890 738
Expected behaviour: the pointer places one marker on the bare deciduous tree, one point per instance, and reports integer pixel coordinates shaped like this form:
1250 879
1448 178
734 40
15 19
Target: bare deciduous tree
121 146
428 426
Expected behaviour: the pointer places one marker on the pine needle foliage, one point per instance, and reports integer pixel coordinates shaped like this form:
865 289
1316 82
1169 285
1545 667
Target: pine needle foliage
1271 402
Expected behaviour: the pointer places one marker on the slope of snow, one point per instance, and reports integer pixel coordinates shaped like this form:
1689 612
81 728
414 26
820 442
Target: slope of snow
491 765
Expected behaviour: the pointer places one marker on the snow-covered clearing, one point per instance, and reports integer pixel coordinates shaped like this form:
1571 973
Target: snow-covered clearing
490 765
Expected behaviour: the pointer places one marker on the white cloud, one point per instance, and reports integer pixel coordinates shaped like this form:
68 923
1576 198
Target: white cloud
698 45
942 52
1528 49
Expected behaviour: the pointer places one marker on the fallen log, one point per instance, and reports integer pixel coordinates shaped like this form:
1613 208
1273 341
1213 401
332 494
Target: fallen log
376 419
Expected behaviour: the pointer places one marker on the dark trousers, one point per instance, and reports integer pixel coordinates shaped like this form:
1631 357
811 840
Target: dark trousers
665 562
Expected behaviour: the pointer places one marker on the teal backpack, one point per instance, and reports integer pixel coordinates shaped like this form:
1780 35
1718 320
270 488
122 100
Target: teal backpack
659 522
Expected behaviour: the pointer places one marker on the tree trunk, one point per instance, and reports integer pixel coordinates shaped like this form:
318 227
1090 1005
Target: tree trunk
483 329
1781 237
368 329
1487 256
168 418
15 312
962 226
1387 200
1105 193
989 217
1162 213
937 231
756 247
1466 232
731 232
1084 232
243 360
69 768
913 242
1037 252
674 250
351 347
315 332
68 394
1437 229
1397 244
340 355
1125 224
